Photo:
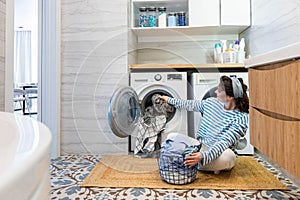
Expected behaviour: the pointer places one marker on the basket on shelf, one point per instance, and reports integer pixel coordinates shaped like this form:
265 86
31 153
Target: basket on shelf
172 169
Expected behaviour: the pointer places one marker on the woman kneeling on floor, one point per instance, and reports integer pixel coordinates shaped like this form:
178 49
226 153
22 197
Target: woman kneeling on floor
224 122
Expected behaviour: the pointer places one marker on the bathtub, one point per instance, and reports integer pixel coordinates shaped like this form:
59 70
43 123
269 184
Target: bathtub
24 158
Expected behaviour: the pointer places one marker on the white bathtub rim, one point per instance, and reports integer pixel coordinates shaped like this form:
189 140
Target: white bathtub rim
21 168
16 169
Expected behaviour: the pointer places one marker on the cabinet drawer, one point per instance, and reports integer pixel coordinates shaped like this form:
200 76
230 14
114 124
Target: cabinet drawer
279 139
276 88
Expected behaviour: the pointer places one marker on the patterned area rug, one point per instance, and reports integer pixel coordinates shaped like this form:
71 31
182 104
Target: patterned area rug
68 172
129 172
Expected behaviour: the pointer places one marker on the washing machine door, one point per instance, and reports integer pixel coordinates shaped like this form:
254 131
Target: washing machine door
123 111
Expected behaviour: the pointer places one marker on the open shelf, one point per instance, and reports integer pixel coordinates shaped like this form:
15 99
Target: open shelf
187 31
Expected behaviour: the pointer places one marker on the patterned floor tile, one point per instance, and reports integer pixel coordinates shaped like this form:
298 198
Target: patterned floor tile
67 172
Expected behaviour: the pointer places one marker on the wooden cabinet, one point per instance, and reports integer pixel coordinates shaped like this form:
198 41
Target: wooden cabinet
275 113
276 88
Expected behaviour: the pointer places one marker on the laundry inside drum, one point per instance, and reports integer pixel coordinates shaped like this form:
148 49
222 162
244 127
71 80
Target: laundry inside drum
152 125
151 103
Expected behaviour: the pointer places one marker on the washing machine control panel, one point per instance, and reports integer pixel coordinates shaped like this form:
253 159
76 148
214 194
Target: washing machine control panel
174 77
157 77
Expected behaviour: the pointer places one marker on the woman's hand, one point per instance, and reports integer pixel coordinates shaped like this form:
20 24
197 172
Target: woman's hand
164 98
193 159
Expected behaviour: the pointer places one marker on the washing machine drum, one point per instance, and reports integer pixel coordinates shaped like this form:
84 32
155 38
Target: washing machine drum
123 111
147 102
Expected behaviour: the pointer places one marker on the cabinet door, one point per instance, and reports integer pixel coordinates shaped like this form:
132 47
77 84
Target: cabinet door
276 87
278 138
235 12
204 13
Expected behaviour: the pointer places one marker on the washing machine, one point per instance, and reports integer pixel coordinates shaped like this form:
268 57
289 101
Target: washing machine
173 84
204 85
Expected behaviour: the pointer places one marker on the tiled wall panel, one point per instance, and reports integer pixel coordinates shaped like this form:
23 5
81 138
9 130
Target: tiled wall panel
275 24
94 63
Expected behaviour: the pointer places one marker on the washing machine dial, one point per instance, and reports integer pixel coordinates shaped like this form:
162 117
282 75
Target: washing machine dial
157 77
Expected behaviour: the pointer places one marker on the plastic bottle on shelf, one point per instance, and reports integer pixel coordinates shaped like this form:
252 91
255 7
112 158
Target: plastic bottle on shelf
242 45
172 19
162 17
152 17
143 17
236 48
218 53
236 45
241 52
224 45
181 18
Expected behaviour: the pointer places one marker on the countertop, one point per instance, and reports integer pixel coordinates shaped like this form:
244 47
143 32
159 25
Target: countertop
185 66
278 55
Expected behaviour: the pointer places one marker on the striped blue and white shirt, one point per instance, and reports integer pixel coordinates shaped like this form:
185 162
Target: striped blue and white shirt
219 129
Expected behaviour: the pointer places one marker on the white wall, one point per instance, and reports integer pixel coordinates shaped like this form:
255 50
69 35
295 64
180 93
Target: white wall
179 52
2 54
180 49
275 24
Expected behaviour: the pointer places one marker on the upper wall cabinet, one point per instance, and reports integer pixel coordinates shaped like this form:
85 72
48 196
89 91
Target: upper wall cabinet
204 13
202 17
235 13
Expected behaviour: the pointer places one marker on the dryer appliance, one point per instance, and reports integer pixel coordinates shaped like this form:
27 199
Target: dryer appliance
204 85
173 84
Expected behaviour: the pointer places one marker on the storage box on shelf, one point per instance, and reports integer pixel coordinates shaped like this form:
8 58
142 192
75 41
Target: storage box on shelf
275 112
202 17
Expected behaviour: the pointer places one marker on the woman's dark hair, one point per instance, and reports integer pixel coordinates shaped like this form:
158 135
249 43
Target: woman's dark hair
242 104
